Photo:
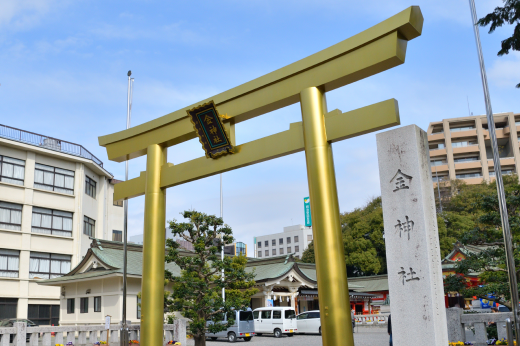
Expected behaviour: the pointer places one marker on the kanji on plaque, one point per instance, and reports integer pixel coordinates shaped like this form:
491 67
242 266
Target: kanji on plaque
212 134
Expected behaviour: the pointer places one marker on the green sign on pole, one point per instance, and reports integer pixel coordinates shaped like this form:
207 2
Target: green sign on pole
307 208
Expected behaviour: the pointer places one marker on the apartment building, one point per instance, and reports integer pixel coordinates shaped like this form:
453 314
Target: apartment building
294 239
460 148
54 196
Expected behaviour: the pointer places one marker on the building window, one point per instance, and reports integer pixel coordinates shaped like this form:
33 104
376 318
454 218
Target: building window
12 171
309 237
8 307
138 307
288 249
49 221
70 305
296 248
97 304
465 128
288 240
266 243
48 266
90 187
83 305
281 251
295 238
274 252
466 159
117 235
44 315
273 242
463 144
10 216
266 253
9 263
468 175
280 241
259 244
54 179
259 253
119 203
89 226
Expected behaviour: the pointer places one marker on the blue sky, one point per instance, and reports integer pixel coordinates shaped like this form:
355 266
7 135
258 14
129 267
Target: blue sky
63 71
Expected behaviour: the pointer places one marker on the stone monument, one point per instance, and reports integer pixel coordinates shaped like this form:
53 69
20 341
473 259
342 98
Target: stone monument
412 240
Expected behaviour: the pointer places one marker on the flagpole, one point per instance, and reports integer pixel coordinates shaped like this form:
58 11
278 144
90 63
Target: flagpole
508 239
124 332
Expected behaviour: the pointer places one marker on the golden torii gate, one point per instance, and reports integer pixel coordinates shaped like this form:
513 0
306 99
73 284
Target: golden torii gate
374 50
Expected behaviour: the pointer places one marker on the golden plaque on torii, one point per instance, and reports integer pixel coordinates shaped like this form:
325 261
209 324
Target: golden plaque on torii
208 126
306 81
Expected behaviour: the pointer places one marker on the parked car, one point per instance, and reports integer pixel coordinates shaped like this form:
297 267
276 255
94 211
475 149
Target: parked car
503 308
243 328
309 322
277 320
9 322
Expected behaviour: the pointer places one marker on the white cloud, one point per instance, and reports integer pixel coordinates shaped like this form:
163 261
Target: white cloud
170 33
505 71
23 14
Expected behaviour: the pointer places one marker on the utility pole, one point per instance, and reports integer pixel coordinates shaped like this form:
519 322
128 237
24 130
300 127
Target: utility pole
222 252
508 239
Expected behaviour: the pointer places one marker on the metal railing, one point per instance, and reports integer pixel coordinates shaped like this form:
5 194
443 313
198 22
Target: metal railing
47 142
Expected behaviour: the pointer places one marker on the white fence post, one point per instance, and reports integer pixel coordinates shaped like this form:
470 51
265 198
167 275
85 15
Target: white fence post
46 340
4 339
480 334
179 330
33 341
456 330
71 337
58 339
92 338
82 338
114 336
19 339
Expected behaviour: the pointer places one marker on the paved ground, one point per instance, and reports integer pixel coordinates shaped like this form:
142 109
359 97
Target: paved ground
363 337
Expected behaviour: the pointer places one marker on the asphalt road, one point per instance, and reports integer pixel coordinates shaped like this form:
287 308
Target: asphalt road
364 336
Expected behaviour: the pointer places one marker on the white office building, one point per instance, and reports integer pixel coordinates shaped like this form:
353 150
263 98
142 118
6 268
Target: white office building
294 239
54 196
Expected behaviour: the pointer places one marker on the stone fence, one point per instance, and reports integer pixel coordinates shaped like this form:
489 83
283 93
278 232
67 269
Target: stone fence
87 334
370 320
458 321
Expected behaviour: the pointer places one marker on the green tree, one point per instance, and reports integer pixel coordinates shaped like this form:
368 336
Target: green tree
454 283
197 291
362 231
363 241
487 233
509 14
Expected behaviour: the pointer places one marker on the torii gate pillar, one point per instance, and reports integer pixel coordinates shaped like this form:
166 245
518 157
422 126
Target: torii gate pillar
330 269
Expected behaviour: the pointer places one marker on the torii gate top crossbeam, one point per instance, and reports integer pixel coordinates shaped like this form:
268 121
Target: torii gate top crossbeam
374 50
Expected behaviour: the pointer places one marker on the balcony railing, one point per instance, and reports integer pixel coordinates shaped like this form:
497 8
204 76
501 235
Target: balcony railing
458 129
47 142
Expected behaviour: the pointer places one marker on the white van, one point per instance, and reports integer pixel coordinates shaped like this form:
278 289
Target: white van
277 320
